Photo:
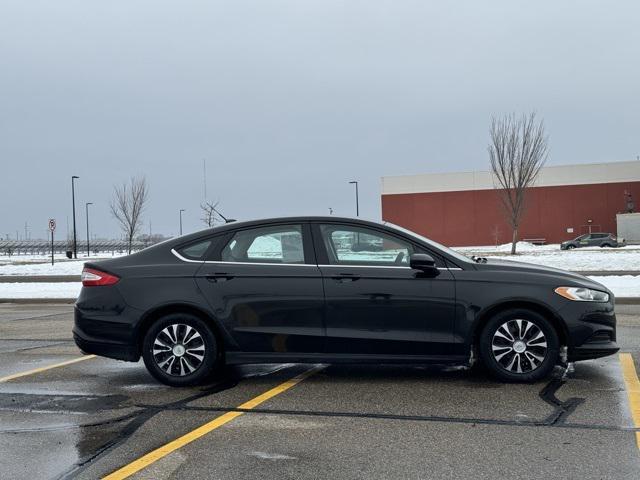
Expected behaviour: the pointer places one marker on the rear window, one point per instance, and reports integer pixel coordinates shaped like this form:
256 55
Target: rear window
195 251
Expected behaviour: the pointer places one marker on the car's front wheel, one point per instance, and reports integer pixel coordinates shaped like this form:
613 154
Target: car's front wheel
519 345
180 350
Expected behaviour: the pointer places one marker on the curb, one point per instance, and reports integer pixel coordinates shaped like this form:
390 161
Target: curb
39 278
627 300
31 301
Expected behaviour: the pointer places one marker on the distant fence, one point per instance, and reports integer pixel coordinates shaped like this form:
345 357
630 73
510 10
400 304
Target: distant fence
43 247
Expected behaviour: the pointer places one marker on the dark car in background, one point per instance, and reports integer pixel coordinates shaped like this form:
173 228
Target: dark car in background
594 240
336 290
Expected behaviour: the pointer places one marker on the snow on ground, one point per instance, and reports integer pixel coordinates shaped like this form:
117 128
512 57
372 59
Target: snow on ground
578 260
621 286
39 265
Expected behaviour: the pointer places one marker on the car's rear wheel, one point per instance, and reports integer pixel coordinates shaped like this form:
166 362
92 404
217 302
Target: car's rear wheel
519 345
180 350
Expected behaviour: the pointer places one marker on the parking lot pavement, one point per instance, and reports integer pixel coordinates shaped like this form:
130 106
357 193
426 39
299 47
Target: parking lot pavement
90 418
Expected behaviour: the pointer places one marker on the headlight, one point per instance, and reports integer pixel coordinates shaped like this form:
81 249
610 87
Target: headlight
581 294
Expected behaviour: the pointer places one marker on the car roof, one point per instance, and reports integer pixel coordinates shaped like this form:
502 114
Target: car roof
273 220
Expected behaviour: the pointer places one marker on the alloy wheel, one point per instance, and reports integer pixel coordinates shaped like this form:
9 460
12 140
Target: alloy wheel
519 346
179 349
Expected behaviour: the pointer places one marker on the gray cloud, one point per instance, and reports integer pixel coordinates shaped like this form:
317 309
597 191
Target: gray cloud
290 100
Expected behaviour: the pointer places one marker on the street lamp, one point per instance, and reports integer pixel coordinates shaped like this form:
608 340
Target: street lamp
73 201
357 205
181 210
86 206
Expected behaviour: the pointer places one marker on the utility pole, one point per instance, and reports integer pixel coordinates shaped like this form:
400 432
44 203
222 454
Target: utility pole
181 210
357 201
73 201
86 206
204 177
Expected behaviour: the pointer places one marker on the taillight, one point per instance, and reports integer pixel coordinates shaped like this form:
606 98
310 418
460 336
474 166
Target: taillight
94 278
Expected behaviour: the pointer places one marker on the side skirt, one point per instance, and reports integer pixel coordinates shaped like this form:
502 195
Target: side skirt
236 358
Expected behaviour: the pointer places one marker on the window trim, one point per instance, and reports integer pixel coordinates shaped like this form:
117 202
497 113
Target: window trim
215 256
324 260
214 239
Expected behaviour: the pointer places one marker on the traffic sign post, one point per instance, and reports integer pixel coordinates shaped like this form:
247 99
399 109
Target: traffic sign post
52 228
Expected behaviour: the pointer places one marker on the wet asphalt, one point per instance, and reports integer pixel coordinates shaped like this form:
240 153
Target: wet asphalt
88 419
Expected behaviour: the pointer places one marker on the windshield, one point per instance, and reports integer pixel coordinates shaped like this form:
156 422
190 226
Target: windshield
436 245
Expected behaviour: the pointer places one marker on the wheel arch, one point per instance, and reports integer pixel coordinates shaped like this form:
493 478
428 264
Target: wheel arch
484 316
176 307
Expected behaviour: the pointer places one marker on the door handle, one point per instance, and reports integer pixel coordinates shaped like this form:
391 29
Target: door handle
219 277
346 277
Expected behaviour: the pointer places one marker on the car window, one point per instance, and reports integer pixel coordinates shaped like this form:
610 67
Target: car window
195 251
347 245
277 244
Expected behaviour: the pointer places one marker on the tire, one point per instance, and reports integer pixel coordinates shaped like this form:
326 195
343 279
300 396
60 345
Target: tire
606 245
570 247
503 357
190 366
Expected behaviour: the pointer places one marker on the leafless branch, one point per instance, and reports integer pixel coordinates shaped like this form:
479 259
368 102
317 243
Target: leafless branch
518 150
209 213
127 205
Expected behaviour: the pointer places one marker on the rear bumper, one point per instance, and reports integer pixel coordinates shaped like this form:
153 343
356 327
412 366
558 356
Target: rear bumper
106 328
111 350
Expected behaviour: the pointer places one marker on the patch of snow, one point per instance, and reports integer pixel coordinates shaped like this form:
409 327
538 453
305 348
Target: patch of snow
621 285
578 260
38 265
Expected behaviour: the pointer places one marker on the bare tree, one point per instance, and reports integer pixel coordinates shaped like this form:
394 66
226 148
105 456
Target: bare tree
209 213
517 151
127 205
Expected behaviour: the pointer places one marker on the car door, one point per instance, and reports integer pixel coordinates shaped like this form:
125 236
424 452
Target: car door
376 304
597 239
584 240
263 283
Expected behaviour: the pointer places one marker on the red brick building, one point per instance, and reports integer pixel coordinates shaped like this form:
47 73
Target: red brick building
464 209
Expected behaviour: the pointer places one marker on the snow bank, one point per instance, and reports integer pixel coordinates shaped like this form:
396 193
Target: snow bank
39 265
621 285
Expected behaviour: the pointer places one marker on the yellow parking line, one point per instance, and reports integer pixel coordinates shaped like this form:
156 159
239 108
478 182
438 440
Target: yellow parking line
180 442
44 369
633 389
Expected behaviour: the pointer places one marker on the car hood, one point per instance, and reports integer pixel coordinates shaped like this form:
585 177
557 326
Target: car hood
530 268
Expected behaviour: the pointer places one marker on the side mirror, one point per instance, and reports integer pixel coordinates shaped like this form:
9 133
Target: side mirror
423 262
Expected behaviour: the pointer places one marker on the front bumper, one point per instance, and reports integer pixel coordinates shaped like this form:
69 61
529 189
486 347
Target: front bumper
591 330
589 352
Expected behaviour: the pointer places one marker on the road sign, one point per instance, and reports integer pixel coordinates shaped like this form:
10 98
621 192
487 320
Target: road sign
52 228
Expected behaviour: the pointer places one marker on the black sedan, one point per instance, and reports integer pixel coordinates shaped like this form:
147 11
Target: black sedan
327 289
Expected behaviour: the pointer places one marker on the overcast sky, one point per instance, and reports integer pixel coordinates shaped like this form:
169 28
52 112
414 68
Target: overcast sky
289 100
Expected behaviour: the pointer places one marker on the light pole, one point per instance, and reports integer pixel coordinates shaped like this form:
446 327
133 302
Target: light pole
73 201
181 210
357 204
86 206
